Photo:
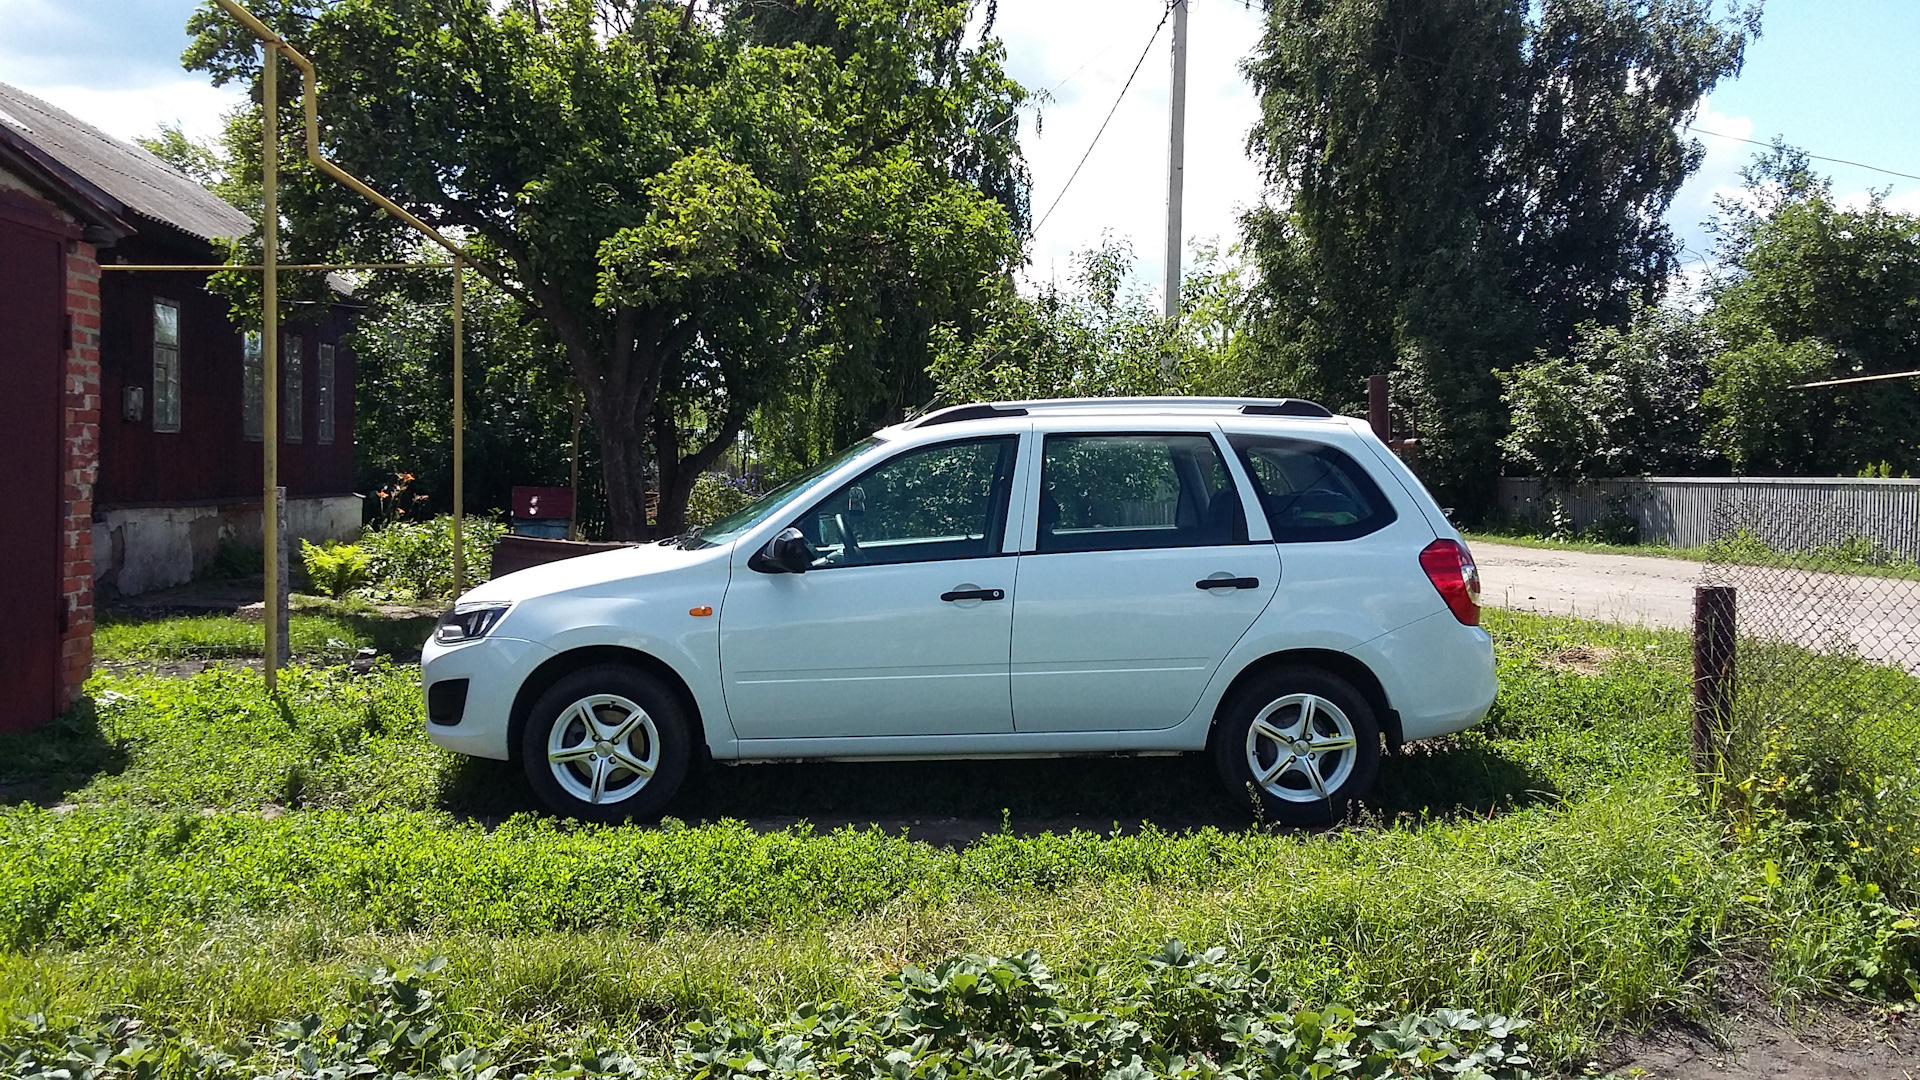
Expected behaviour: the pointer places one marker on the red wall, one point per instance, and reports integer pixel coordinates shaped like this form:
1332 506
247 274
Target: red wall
208 459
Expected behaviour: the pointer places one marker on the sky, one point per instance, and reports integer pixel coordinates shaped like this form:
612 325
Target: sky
1835 77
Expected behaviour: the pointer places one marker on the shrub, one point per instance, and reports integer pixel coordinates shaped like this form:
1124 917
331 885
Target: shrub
413 560
715 496
333 568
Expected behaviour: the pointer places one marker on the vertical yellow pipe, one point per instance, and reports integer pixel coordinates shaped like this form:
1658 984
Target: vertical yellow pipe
459 432
270 357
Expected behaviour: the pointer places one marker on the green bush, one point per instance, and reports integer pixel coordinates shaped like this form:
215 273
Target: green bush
715 496
334 568
413 560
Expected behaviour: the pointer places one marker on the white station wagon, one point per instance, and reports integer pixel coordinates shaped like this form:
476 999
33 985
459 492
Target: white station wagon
1256 579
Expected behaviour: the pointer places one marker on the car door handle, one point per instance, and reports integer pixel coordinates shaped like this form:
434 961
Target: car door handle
1227 583
974 594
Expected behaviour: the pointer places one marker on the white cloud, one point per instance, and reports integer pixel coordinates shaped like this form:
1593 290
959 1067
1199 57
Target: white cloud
132 111
1718 177
1092 45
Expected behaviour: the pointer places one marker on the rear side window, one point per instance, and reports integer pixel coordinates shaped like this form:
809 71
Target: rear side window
1312 491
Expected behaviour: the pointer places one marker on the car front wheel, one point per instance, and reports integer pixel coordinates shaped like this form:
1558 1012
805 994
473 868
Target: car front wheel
606 743
1299 745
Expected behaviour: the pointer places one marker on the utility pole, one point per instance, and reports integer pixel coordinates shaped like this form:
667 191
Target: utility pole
1176 156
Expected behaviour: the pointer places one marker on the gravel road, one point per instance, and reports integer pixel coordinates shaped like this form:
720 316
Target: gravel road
1879 618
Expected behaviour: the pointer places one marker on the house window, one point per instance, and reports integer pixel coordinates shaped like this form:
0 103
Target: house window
253 387
292 383
166 365
323 395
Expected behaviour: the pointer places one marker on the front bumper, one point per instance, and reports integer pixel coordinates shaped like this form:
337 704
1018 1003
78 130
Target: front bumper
494 670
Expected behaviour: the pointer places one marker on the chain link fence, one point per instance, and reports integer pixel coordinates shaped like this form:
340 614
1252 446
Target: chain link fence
1811 704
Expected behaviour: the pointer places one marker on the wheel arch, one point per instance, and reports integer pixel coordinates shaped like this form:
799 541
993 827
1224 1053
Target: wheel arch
1336 663
566 663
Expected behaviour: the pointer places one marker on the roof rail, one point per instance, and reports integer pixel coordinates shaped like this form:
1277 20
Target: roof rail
956 413
1292 406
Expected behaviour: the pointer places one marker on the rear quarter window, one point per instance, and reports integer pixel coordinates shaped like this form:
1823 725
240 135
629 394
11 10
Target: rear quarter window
1312 491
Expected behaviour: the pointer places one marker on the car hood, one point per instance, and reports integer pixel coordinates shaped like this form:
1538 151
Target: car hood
587 571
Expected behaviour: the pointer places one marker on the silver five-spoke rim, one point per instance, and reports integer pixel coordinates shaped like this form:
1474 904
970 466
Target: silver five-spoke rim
1301 748
603 749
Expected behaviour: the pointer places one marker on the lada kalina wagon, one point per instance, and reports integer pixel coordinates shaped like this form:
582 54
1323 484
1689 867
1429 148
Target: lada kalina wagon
1258 580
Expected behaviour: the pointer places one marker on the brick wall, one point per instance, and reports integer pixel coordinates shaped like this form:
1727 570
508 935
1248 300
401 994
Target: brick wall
80 439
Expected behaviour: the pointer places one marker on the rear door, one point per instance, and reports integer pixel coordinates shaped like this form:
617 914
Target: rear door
1116 627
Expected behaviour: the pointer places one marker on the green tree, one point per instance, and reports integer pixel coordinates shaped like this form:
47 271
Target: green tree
1811 291
227 165
708 210
1622 402
1102 338
1465 182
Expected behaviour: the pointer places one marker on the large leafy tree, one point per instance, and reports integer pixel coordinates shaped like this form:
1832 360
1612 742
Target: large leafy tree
1814 291
1463 182
709 206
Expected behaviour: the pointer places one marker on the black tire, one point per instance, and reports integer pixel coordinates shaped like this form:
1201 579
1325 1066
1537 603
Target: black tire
659 736
1313 789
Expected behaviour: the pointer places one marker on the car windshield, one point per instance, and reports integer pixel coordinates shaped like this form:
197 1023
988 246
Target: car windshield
759 510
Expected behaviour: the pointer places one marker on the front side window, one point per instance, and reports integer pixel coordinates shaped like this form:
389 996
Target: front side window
323 394
1311 491
166 365
292 386
253 386
947 501
1113 492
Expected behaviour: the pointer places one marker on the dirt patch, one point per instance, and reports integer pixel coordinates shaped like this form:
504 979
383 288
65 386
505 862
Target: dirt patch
1584 659
1860 1046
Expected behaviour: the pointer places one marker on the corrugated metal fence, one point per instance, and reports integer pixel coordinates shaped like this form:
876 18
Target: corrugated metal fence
1801 514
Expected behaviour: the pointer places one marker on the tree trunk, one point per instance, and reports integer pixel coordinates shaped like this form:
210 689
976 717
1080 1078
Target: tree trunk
623 467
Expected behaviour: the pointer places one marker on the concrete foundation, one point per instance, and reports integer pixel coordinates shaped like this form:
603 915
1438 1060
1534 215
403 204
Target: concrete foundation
137 549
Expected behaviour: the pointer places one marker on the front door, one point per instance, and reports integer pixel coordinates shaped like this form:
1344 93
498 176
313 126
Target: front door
902 626
33 315
1115 629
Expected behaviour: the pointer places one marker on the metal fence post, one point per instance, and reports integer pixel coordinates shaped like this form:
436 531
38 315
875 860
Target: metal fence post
1714 608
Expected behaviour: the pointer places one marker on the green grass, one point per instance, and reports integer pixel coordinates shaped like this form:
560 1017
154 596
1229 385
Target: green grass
223 860
328 637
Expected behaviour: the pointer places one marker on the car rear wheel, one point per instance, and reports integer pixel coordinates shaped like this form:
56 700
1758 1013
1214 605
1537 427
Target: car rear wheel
606 743
1298 745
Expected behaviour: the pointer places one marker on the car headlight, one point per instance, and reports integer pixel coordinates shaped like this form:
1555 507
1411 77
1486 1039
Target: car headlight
465 622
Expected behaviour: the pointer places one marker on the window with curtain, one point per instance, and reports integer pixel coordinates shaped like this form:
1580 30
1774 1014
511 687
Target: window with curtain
323 394
253 386
292 387
166 365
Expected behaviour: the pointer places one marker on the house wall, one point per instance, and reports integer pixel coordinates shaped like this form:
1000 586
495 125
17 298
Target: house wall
146 548
81 442
208 459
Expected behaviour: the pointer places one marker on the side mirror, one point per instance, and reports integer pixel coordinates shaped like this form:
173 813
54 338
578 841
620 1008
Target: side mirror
787 553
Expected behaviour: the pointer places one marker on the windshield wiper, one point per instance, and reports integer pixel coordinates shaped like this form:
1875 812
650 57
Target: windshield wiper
689 540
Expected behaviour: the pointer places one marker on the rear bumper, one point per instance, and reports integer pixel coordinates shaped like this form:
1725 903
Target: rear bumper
494 670
1437 674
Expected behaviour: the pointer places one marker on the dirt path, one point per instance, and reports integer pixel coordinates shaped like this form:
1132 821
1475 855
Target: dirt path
1879 618
1766 1047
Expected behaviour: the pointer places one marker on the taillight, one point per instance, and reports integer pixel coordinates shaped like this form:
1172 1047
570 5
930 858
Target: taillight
1449 565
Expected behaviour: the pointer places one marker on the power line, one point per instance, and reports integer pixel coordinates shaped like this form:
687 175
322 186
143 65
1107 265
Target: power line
1816 157
1166 11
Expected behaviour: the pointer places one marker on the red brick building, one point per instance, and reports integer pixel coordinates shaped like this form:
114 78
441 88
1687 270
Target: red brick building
130 401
